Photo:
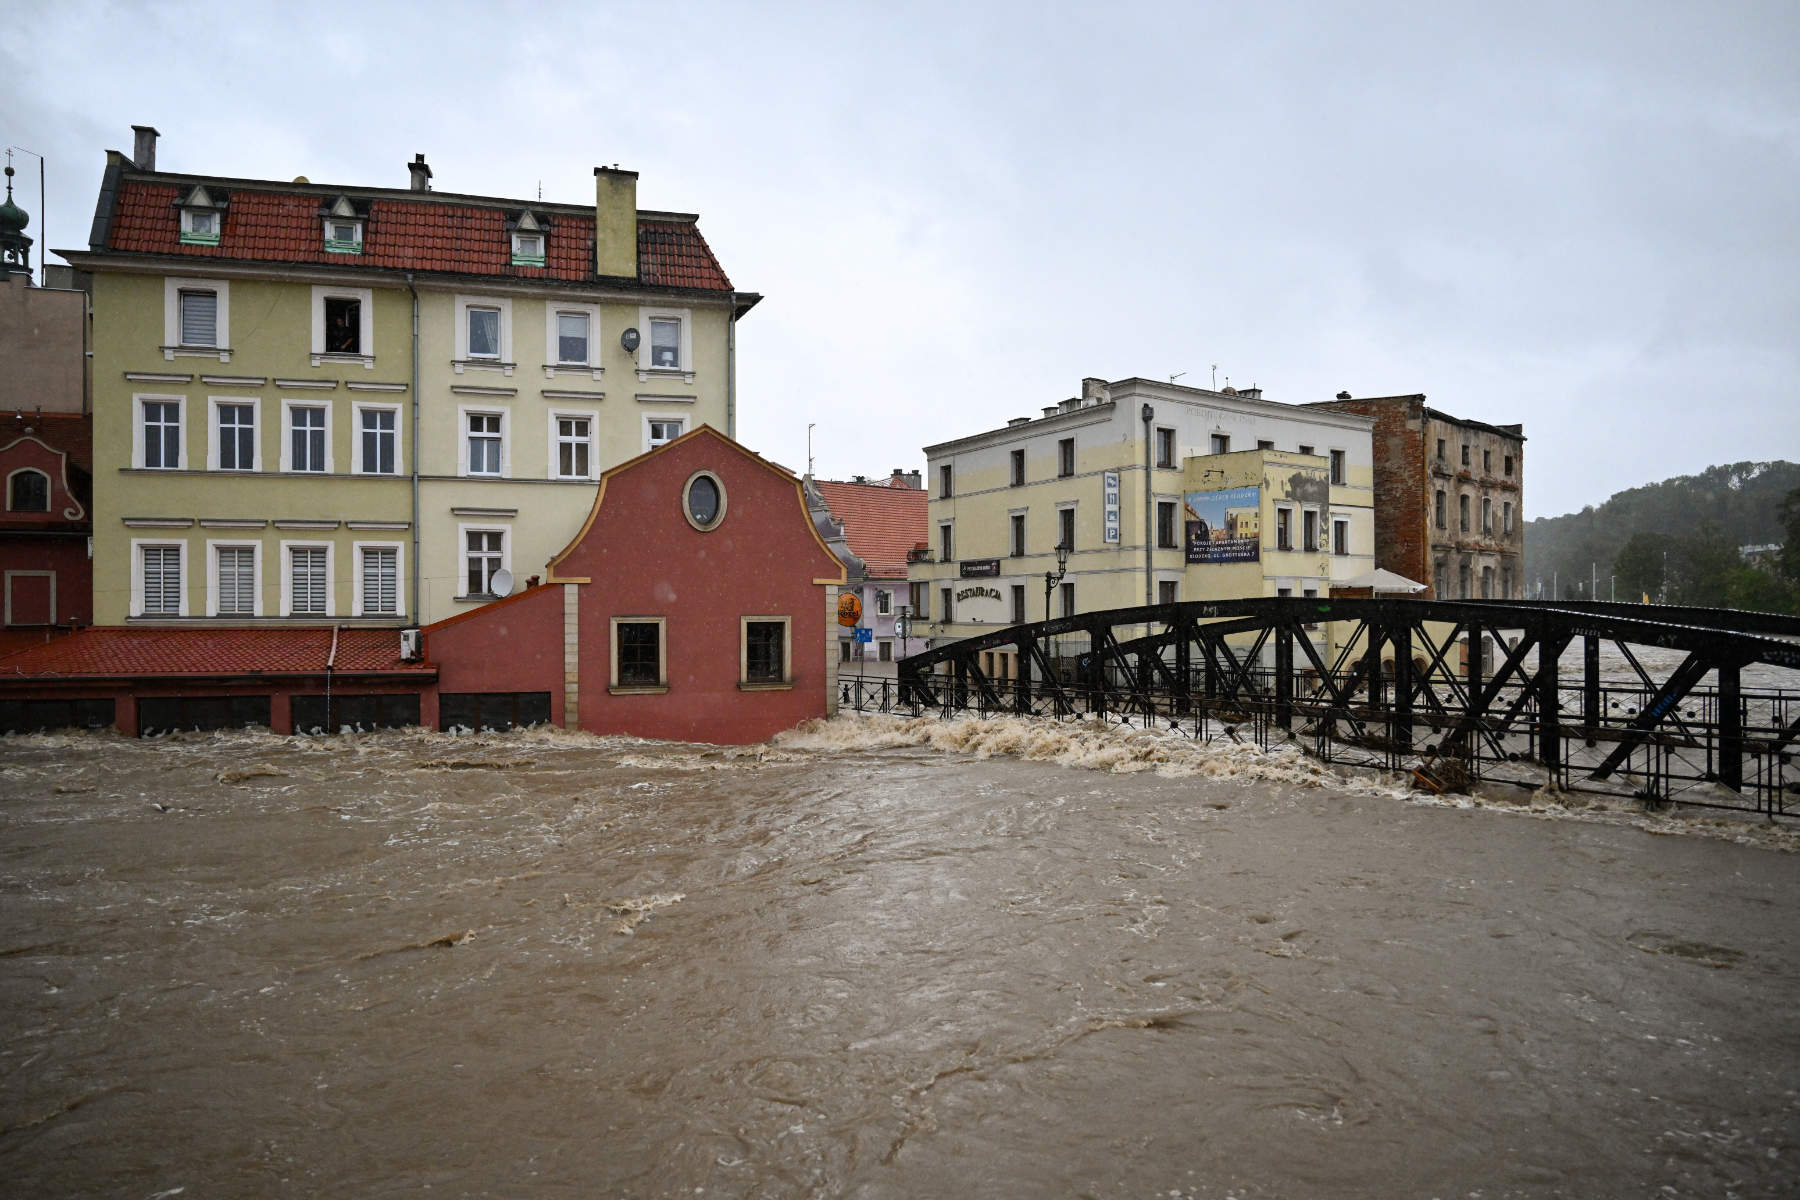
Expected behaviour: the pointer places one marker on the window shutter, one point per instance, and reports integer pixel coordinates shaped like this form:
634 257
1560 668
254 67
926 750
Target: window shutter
380 582
162 579
237 592
308 588
199 318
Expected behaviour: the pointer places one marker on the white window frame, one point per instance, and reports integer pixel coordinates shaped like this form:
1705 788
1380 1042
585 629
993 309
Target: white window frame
336 245
365 338
521 258
172 289
212 577
358 549
137 575
463 413
686 318
137 430
681 418
884 602
553 344
592 417
287 576
287 434
504 363
662 656
787 653
357 409
194 237
462 555
213 442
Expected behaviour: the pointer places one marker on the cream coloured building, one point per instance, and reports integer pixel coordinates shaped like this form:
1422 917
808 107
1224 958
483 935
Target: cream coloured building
1162 492
357 404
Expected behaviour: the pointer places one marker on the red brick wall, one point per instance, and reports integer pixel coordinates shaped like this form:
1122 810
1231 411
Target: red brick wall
1402 495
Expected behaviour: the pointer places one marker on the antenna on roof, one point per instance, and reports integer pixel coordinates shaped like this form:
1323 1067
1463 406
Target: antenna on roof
1176 375
1215 386
540 189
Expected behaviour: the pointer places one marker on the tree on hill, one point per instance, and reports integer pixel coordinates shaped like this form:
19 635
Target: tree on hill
1694 524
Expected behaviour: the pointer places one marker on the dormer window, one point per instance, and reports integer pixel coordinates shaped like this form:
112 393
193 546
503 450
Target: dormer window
343 227
527 240
200 226
202 217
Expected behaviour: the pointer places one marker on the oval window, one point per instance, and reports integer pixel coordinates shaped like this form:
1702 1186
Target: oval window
705 501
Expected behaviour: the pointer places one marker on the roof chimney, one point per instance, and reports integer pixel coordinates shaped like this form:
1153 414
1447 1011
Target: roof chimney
421 174
1343 395
143 147
615 223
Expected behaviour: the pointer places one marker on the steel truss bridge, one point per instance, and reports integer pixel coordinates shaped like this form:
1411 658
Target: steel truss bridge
1645 700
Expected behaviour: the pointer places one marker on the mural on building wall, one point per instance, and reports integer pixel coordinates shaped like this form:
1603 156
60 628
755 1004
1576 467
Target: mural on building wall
1222 526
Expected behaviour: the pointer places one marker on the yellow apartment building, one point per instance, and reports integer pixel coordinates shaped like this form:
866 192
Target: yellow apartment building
1161 493
362 405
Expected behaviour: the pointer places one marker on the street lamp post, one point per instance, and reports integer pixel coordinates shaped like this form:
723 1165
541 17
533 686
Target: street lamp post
1052 578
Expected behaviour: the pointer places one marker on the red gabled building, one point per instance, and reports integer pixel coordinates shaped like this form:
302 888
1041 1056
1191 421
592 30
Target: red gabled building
46 469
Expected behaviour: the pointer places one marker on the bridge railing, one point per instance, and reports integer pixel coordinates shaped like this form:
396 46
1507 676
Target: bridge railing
1401 685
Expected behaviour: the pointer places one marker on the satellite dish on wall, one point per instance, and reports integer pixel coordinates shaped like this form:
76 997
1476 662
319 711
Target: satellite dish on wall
501 583
629 340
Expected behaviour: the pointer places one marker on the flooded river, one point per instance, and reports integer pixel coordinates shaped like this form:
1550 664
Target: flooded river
878 959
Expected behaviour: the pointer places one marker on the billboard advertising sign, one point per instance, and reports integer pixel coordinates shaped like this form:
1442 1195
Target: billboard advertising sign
1224 526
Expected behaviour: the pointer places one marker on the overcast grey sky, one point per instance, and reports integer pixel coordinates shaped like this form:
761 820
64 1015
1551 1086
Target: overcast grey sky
1583 217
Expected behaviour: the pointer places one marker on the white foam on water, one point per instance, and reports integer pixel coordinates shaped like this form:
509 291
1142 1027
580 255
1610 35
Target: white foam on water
1089 744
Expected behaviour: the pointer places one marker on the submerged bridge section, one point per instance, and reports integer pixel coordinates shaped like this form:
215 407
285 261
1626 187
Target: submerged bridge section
1696 705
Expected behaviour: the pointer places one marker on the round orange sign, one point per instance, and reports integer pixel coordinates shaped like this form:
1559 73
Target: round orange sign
849 609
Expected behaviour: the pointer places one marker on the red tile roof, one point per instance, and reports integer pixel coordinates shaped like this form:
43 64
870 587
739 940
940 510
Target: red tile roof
881 522
113 651
414 235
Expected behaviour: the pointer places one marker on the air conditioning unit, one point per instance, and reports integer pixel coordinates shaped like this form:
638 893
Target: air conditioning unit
412 645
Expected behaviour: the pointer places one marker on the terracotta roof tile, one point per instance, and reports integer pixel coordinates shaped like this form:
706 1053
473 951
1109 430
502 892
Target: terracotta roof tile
881 523
417 235
112 651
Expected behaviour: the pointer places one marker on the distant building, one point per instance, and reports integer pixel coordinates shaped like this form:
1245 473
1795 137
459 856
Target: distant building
882 523
1247 497
273 441
1449 497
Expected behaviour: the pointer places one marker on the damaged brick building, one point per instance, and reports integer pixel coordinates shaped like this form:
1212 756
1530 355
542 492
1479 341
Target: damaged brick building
1449 497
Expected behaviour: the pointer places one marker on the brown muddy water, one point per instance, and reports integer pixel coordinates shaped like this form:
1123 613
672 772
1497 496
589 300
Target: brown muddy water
877 959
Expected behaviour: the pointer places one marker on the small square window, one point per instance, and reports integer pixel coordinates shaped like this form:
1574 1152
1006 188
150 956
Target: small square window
1221 443
528 249
30 492
1305 449
343 236
663 430
200 226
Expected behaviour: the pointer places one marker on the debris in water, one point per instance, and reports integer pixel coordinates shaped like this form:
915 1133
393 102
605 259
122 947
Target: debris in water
253 771
636 910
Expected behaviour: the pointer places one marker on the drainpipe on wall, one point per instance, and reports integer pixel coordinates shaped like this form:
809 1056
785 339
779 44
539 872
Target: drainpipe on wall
1148 414
731 370
417 617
